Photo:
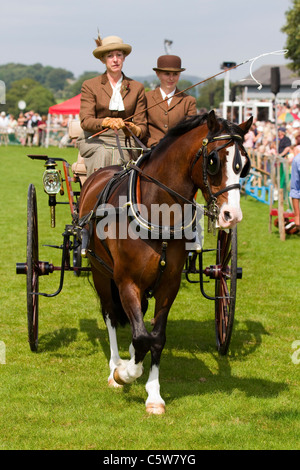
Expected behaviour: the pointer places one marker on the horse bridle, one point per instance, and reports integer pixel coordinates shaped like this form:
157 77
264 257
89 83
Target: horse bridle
211 165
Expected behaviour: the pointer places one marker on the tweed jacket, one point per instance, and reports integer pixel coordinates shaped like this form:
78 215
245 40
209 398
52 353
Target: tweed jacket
94 105
162 118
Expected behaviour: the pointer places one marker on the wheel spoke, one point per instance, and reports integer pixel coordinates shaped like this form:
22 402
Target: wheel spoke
225 288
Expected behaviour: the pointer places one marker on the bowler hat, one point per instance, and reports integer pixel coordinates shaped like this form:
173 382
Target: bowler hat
168 63
108 44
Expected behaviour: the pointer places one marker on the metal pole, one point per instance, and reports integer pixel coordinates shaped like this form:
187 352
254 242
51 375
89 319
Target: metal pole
226 85
276 125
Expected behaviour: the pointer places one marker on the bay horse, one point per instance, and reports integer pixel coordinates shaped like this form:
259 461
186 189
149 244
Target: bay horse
202 152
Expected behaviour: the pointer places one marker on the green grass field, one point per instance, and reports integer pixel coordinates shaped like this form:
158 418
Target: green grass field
58 398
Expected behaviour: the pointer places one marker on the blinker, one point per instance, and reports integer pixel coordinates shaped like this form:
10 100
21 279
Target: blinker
237 162
247 167
213 164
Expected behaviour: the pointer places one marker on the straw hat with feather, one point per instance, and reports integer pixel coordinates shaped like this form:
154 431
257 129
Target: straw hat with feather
110 43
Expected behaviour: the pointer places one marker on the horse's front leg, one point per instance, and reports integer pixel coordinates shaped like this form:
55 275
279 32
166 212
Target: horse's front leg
155 403
128 371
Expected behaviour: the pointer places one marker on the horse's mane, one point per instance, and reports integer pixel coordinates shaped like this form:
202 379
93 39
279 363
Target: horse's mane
191 122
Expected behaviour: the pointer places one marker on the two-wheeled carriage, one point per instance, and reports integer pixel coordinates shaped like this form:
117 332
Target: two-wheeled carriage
203 152
224 273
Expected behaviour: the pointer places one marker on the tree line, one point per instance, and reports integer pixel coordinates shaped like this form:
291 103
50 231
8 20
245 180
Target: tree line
43 86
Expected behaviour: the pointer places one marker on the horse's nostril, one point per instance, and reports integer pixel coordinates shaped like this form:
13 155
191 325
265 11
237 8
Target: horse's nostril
227 216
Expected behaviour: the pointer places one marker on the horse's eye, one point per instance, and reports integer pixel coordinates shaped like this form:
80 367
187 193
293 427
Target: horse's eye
213 163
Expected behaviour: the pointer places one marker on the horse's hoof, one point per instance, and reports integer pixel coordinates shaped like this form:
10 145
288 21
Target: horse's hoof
155 408
117 378
113 383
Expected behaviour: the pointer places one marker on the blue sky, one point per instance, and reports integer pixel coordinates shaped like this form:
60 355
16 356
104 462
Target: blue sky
204 33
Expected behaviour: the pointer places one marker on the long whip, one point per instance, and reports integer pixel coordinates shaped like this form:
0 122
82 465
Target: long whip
280 52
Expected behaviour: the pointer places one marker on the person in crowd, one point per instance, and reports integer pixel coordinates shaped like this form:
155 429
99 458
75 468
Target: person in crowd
3 128
42 128
3 121
21 120
106 102
166 114
284 147
12 124
284 143
249 139
30 124
295 190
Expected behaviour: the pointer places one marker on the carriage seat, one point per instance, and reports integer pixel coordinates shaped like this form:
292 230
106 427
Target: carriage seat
78 168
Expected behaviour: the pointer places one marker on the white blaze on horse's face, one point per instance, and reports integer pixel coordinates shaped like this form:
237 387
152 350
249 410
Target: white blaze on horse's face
230 212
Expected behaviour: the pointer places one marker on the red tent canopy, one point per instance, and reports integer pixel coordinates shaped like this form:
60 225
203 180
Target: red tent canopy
71 106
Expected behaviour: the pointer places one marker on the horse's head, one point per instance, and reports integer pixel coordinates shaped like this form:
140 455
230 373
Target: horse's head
225 161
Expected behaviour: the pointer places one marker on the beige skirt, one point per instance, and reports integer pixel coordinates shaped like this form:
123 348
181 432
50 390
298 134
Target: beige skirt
102 151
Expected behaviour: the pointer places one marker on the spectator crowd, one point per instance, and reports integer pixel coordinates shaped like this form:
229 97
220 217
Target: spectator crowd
262 135
30 128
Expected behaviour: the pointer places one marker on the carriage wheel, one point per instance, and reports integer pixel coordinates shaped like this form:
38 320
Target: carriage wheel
32 269
225 288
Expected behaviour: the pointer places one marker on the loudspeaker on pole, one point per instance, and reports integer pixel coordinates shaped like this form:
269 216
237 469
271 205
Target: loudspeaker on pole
275 80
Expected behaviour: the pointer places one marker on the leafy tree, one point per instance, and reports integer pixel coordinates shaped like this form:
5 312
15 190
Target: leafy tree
12 72
33 93
291 28
17 92
183 84
211 94
39 99
56 79
50 77
75 88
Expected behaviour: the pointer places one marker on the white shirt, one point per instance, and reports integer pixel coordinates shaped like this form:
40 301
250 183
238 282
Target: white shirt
3 122
170 95
116 101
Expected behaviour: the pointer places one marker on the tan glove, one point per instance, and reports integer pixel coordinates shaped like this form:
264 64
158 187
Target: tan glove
135 129
113 123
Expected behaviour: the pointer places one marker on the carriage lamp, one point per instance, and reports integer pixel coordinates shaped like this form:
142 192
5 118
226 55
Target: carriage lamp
52 182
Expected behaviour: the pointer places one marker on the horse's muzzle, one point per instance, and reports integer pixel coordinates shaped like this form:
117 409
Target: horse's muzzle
229 216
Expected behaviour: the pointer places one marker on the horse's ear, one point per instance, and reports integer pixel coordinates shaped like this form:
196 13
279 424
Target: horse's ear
212 122
245 126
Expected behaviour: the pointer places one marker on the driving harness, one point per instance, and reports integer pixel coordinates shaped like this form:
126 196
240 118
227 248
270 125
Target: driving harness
211 166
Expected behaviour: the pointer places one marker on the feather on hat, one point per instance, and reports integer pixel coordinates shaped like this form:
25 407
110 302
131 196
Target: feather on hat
110 43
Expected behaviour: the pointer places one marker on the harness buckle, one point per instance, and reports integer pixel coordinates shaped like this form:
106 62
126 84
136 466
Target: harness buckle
213 216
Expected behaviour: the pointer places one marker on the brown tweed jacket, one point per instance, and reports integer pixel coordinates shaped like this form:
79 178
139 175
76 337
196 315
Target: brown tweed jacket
95 97
162 118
